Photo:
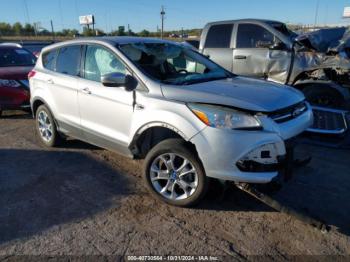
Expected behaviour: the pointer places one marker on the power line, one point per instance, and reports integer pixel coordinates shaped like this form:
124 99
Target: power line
26 10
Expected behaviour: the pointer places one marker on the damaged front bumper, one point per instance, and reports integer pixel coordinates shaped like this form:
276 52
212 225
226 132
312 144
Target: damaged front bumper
249 156
262 161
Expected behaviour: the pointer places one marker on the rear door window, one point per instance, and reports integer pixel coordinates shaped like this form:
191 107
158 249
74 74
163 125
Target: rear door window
68 60
253 36
49 59
219 36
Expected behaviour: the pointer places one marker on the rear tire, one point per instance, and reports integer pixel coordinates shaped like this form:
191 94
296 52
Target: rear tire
174 174
46 127
322 95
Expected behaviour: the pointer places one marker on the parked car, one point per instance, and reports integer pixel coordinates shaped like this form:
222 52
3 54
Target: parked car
15 64
35 47
194 43
269 50
188 117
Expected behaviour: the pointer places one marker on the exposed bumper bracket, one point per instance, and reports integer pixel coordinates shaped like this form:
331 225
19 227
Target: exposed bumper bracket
251 190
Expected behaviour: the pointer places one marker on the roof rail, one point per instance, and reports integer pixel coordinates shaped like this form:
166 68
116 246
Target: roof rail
11 44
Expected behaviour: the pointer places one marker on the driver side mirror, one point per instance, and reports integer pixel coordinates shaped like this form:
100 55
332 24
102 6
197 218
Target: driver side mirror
272 45
119 80
264 44
279 46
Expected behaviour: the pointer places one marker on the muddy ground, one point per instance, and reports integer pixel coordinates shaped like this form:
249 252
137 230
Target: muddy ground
82 200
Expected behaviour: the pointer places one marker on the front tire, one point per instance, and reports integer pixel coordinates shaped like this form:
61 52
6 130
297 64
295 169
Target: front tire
174 174
46 127
324 96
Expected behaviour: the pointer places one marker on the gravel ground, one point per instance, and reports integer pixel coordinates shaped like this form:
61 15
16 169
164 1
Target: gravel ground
83 200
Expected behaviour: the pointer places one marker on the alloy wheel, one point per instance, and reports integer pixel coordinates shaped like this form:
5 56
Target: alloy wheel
173 176
45 126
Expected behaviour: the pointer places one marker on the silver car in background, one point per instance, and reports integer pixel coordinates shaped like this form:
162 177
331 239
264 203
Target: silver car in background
188 117
267 49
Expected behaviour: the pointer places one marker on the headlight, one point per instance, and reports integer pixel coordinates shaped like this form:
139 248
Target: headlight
9 83
224 117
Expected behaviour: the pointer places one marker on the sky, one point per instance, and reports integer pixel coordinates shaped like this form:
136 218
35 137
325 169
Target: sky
145 14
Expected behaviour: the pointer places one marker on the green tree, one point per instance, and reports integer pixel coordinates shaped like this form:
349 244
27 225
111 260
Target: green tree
28 29
119 32
100 32
5 29
88 32
45 32
17 28
144 33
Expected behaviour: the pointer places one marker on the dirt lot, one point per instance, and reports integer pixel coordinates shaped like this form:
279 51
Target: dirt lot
79 200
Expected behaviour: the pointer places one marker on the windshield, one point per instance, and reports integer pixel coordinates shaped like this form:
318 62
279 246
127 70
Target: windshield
282 28
16 57
173 64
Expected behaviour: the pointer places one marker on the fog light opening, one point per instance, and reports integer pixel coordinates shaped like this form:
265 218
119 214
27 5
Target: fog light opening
261 159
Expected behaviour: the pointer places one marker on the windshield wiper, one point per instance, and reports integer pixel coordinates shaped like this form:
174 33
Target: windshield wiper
194 81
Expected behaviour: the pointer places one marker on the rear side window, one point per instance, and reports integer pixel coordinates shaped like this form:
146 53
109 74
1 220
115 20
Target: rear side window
253 36
219 36
49 59
68 60
100 61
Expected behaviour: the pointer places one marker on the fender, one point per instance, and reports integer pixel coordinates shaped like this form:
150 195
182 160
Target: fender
35 99
345 92
185 124
39 94
160 124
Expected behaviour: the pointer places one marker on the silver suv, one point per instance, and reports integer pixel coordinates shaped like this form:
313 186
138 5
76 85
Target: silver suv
188 117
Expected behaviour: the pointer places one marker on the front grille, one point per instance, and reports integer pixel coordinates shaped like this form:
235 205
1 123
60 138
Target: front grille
329 121
288 113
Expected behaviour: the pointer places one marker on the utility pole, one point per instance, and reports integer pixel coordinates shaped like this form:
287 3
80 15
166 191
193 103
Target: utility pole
36 26
52 31
128 29
162 15
316 13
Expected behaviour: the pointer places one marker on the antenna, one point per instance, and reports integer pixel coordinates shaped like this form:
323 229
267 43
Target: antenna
162 15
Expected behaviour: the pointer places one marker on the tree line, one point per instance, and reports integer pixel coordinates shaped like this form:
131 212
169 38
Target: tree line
18 29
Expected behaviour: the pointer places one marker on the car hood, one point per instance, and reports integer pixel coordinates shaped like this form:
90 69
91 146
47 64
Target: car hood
15 72
328 41
240 92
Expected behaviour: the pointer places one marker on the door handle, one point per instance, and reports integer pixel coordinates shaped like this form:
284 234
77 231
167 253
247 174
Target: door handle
86 90
50 81
240 57
139 107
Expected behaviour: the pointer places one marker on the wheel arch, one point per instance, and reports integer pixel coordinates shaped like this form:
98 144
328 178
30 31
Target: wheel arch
149 135
303 83
36 102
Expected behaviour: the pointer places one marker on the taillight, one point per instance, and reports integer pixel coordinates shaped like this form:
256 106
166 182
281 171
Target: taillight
31 74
